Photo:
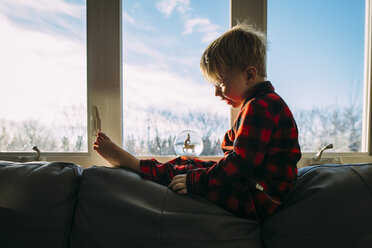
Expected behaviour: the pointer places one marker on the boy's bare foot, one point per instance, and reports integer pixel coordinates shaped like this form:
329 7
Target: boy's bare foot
110 151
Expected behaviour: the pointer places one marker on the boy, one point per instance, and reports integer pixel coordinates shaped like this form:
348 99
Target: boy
261 149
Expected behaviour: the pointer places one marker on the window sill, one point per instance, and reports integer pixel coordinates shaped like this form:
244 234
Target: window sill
86 159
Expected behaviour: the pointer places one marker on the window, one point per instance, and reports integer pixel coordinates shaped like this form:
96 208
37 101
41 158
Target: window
315 59
164 92
43 76
98 76
258 12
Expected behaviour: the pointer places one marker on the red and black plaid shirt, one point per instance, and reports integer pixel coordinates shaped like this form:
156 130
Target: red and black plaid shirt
260 162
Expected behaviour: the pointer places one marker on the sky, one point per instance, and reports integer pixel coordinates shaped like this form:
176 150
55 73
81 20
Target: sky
42 58
162 45
315 55
315 51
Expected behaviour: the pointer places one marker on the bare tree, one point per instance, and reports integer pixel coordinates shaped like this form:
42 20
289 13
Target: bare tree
318 126
4 136
164 125
23 135
74 128
333 124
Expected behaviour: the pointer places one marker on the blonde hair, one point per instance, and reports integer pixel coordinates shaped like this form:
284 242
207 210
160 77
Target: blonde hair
235 50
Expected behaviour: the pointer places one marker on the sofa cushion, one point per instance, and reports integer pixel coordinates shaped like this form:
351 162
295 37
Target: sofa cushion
329 206
118 208
37 201
193 221
114 210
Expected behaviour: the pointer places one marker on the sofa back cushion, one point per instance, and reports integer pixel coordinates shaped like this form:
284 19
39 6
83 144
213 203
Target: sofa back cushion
37 201
329 206
118 208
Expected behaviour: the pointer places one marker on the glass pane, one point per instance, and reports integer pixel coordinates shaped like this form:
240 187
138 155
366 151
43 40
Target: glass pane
43 75
164 92
315 60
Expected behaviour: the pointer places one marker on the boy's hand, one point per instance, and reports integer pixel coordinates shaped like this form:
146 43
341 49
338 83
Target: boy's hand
178 184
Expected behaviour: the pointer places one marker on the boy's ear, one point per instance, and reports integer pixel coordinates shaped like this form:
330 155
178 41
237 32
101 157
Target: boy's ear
250 73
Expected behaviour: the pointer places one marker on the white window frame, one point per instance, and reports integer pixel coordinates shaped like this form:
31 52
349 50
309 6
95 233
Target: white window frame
104 79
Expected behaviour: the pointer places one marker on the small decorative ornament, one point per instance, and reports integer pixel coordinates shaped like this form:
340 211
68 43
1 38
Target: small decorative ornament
188 143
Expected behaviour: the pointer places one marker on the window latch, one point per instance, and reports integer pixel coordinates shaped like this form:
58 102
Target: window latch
318 156
96 121
318 159
38 156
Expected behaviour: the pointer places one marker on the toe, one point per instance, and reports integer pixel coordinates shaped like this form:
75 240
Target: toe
96 143
102 135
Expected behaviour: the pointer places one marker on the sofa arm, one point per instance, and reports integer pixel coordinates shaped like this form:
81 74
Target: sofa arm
329 206
37 201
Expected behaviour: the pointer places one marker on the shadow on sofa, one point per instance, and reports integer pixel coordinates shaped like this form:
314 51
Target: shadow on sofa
60 204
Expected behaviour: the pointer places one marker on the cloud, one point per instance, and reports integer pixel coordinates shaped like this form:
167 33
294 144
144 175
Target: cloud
49 16
41 69
168 6
27 8
146 87
128 18
130 14
48 71
204 26
146 51
137 46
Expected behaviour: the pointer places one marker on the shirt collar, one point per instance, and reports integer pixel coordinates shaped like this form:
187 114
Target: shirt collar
261 89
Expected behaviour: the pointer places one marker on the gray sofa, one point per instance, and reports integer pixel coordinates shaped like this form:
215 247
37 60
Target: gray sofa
57 204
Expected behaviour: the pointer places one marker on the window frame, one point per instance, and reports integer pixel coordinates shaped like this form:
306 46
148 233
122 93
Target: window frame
104 80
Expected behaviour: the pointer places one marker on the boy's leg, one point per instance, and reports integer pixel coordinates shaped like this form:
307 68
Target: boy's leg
114 154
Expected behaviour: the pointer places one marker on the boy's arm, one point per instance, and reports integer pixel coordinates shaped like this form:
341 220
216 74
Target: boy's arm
163 173
255 125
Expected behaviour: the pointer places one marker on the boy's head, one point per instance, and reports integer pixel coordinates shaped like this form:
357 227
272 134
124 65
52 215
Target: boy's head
235 50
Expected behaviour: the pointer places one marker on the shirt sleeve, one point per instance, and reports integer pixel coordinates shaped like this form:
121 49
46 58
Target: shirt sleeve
163 173
253 129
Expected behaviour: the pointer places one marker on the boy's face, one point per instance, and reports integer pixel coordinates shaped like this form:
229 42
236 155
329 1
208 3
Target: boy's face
234 89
